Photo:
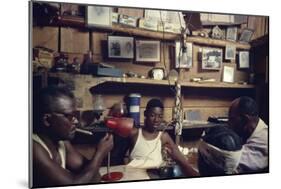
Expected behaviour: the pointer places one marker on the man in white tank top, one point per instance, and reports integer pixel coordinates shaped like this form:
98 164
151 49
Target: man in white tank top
55 161
147 142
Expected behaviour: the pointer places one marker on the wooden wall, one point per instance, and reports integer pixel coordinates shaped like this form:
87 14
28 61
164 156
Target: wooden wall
209 102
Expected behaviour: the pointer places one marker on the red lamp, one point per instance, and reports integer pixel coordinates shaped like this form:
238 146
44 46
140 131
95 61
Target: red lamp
121 126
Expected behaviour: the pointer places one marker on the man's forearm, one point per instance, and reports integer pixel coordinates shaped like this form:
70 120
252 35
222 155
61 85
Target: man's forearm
90 170
186 167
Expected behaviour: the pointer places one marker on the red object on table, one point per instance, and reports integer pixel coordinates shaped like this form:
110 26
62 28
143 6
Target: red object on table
113 176
121 126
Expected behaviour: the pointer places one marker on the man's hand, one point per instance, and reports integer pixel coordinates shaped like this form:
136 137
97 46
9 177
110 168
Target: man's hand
173 152
105 145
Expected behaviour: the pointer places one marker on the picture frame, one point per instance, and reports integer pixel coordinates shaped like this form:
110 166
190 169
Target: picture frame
230 52
246 35
147 51
228 74
211 58
99 16
231 33
244 59
120 47
218 33
178 54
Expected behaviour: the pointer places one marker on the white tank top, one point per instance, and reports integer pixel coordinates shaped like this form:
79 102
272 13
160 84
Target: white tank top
61 149
146 153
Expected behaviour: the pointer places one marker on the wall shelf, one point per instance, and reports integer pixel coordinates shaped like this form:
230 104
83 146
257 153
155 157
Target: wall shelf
217 42
94 81
73 21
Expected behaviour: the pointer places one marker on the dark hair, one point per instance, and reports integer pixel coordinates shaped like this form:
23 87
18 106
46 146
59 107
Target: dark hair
154 103
221 137
247 105
45 100
49 95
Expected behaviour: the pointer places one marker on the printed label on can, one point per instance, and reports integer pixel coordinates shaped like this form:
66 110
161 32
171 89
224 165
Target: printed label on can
134 109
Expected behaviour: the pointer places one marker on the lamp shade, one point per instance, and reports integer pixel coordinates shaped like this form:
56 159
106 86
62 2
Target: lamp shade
121 126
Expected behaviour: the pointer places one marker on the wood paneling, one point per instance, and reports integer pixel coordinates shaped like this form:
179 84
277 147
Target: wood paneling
46 37
96 43
75 41
205 112
138 13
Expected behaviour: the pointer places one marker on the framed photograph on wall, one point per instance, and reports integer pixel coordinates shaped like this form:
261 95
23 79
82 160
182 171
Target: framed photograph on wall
120 47
231 33
99 16
183 55
244 59
246 35
230 52
211 59
147 51
228 74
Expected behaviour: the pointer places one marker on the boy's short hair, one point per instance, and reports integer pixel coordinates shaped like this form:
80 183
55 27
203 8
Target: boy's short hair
154 103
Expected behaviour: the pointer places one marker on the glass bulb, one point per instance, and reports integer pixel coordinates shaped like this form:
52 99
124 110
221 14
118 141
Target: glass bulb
183 58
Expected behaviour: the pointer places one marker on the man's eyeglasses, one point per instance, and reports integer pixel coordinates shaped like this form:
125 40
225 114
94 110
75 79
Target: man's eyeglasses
69 116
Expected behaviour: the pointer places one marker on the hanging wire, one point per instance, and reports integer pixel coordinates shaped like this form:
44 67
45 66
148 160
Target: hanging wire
164 54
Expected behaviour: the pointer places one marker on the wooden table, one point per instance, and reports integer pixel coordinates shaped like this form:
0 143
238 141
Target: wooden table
129 174
133 174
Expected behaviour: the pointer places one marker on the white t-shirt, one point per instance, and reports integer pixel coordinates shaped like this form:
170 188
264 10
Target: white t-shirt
254 156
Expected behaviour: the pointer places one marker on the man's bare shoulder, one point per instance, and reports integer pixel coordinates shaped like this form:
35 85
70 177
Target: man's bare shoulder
40 155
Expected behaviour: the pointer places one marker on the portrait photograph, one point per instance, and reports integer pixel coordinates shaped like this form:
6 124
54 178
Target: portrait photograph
228 74
231 33
246 35
230 52
244 60
211 58
120 47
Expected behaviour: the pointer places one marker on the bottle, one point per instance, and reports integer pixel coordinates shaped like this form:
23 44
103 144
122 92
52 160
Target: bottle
85 66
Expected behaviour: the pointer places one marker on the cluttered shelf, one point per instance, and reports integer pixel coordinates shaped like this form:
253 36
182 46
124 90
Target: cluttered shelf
80 22
217 42
94 81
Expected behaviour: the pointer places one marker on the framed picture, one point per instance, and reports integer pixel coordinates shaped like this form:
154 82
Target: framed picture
211 58
183 56
147 51
244 59
99 16
120 47
231 33
218 33
228 74
246 35
230 52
